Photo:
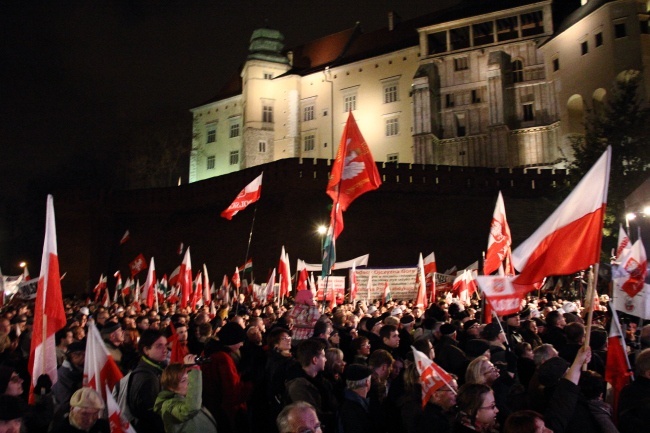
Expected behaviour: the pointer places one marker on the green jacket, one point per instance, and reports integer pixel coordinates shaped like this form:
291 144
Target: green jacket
185 414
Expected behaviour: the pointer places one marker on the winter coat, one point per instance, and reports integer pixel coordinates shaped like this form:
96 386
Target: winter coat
143 391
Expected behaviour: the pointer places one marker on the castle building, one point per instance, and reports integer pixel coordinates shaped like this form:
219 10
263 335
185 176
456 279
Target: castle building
485 83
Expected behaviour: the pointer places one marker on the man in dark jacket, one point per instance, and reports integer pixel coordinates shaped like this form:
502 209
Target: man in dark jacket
634 402
145 382
354 415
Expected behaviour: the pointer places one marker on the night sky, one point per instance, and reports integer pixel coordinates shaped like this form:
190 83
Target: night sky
81 80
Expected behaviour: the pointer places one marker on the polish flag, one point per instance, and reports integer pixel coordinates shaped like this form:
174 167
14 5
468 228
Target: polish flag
420 283
185 278
198 292
138 264
173 277
617 370
569 240
118 285
125 237
430 269
354 171
353 282
432 376
236 281
250 194
285 274
635 267
302 276
270 289
499 240
465 285
623 242
100 369
206 286
502 296
115 419
49 315
149 289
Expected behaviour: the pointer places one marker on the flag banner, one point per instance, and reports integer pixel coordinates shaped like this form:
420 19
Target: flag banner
465 285
354 171
49 315
444 282
125 237
11 283
432 376
247 267
100 369
430 267
501 294
26 290
149 289
250 194
570 239
634 267
118 423
284 273
637 305
185 278
138 264
235 279
499 240
617 369
623 242
335 287
400 281
359 261
420 285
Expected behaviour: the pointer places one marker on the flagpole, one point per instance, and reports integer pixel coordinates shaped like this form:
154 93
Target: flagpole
250 237
591 288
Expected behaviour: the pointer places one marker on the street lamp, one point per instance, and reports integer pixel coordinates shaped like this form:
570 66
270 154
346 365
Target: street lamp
321 230
22 265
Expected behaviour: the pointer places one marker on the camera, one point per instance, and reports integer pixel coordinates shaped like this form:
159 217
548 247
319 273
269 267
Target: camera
198 360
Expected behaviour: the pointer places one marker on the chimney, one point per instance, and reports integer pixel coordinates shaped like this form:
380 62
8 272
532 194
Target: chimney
393 20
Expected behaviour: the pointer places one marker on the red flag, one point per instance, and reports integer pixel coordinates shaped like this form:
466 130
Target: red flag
206 286
178 350
285 274
138 264
250 194
569 240
503 298
100 369
432 376
125 237
420 284
149 290
499 240
635 265
302 277
100 287
185 278
198 291
49 315
116 420
623 242
270 289
174 276
236 281
465 285
354 171
617 370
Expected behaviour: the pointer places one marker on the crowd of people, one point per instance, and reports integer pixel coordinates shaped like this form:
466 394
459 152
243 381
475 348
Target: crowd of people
263 368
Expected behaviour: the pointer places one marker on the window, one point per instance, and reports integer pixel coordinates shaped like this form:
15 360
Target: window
476 96
350 103
529 114
234 130
392 127
483 33
459 38
643 27
517 71
449 100
619 30
392 158
309 143
212 135
556 65
308 113
507 29
267 114
461 129
261 146
234 157
461 64
210 165
268 76
599 39
584 48
532 23
390 93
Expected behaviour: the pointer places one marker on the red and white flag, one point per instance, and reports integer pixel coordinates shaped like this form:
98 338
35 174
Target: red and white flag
504 299
270 286
623 242
117 422
354 171
617 369
302 276
149 289
125 237
569 240
387 295
185 278
236 281
49 315
197 294
465 285
353 282
635 267
138 264
100 369
499 240
432 376
631 291
420 284
284 273
250 194
207 298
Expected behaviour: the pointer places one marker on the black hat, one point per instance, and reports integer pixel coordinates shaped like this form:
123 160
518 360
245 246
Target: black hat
469 324
510 316
10 408
550 372
19 318
525 313
5 376
109 329
539 321
356 372
372 322
406 319
231 333
447 329
77 346
476 347
491 331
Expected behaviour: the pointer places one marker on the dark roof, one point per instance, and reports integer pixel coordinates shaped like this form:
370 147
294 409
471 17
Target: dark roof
571 15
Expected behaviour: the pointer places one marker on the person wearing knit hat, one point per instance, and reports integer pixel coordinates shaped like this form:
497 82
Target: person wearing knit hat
11 414
354 413
85 408
70 374
10 382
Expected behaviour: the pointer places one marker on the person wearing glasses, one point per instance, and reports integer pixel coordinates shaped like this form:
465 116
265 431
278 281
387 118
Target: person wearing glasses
477 410
299 417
